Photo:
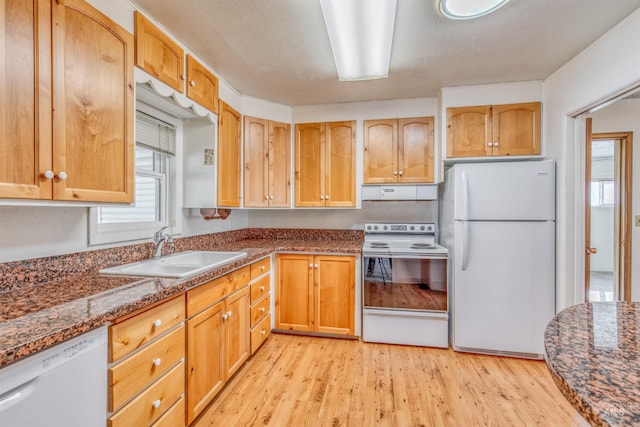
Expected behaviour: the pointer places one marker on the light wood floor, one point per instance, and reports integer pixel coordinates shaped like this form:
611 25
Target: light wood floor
302 381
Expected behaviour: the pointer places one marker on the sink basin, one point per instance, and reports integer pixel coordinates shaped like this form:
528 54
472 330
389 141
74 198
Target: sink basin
182 264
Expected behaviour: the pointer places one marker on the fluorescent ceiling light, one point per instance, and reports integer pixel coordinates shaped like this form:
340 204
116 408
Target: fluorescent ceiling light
468 9
360 32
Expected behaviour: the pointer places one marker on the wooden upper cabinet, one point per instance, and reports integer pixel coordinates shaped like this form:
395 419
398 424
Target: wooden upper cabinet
279 164
83 67
267 176
340 164
398 150
380 151
309 164
229 146
25 99
325 164
93 141
494 130
516 129
415 149
202 85
468 131
256 158
157 54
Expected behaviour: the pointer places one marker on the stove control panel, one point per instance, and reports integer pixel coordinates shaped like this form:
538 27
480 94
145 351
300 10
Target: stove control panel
400 228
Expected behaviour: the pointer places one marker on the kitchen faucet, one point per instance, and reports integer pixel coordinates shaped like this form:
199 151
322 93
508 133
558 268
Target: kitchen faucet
158 239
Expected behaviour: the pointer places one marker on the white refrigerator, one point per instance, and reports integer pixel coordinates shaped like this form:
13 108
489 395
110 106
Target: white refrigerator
498 221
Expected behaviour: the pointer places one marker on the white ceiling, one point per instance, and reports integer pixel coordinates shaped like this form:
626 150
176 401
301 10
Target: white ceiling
279 49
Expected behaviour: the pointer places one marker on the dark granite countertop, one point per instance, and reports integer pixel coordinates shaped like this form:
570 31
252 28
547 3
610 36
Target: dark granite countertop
593 354
37 315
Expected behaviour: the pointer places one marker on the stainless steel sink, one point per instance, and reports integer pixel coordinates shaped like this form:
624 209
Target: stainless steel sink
182 264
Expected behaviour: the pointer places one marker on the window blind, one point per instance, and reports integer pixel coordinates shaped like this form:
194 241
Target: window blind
155 134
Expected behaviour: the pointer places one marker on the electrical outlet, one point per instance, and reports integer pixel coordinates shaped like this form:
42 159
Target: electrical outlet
637 220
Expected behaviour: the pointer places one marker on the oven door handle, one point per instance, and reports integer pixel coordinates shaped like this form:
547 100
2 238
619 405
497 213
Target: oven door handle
465 245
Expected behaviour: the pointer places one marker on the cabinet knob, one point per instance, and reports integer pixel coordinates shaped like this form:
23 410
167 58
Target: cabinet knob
490 144
495 144
262 267
156 403
263 332
270 197
321 197
395 172
266 198
225 316
181 76
157 362
229 313
262 309
192 83
261 288
48 174
316 266
326 197
400 173
157 323
62 176
310 265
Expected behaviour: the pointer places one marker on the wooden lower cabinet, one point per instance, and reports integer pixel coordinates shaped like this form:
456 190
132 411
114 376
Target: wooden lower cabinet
217 345
315 293
146 377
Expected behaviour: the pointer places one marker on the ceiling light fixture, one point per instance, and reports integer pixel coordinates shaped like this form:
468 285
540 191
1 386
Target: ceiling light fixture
468 9
361 34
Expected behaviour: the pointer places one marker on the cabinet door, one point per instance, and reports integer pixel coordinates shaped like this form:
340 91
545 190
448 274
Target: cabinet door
157 54
340 164
310 154
516 129
279 164
380 151
469 131
205 371
334 294
237 326
93 139
25 99
228 156
256 158
415 149
294 292
202 85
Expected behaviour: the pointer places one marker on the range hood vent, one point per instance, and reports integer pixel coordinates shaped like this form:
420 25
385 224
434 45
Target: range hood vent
400 192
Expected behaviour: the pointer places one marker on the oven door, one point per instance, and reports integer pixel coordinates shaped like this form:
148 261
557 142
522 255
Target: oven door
405 282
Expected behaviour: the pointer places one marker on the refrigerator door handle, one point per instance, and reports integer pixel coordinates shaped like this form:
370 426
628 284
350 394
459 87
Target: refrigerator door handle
465 245
465 196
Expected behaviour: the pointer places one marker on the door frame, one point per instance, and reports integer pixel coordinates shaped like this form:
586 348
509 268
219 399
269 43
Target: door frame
624 202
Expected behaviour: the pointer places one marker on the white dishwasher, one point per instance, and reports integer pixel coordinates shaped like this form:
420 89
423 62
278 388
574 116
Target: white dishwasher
63 386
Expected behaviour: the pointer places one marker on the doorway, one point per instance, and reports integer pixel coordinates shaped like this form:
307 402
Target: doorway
608 177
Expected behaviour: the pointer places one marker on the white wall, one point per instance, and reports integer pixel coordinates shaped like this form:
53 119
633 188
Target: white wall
607 67
624 116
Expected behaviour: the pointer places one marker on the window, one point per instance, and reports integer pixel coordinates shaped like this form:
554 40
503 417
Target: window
155 195
602 192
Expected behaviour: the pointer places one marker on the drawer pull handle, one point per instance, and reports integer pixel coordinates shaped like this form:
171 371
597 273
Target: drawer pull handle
262 309
157 362
261 288
156 403
263 332
262 267
157 323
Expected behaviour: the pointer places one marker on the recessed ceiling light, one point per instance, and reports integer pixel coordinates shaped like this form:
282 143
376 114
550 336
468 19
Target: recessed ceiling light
361 34
468 9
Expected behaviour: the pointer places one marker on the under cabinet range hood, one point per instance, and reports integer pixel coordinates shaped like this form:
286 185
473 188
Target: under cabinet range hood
400 192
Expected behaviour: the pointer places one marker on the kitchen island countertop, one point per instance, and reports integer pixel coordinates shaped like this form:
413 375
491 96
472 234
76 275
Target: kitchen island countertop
39 315
593 354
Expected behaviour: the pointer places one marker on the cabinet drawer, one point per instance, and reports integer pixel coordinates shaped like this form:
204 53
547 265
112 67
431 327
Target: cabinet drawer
260 288
260 333
260 309
260 267
133 374
208 293
135 332
174 417
142 410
